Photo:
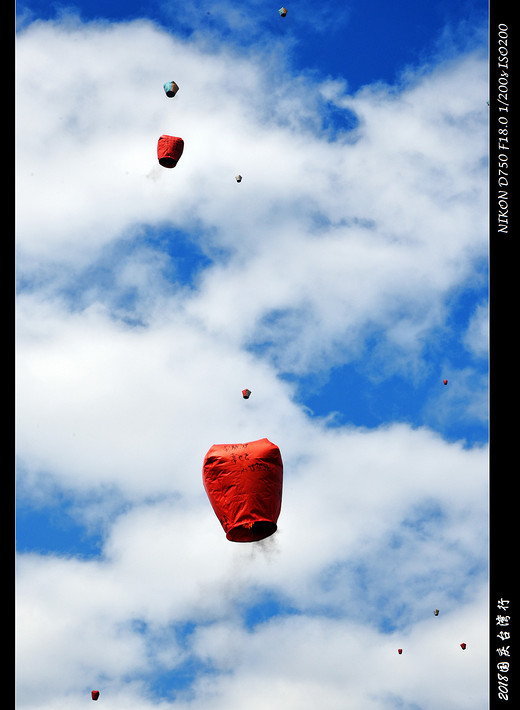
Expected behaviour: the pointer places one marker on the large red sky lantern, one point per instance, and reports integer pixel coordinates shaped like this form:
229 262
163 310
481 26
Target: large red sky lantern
244 487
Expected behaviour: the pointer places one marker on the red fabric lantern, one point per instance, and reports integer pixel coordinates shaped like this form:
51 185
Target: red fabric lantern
463 646
169 150
244 486
399 650
246 393
445 382
95 694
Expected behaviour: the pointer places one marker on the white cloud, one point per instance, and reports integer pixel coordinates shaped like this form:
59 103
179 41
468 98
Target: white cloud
477 336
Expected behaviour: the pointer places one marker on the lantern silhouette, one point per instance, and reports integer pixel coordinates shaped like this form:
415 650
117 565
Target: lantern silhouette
244 486
283 11
463 646
399 651
238 178
436 612
169 150
95 694
246 393
445 382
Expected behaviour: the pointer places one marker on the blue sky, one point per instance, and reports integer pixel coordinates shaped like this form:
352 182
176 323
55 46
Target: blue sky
341 281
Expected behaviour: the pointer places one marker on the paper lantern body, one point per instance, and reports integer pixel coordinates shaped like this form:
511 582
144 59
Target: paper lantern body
169 150
244 486
170 89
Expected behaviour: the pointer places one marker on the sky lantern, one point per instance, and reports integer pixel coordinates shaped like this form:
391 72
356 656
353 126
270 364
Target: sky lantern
463 646
95 694
170 89
283 11
238 178
445 382
246 393
169 150
399 650
436 612
244 486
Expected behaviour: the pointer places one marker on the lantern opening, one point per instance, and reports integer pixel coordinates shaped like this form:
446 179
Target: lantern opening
252 532
167 162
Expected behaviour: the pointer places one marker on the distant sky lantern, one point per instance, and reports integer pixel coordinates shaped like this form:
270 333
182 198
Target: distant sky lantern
95 694
445 382
246 393
283 11
399 650
244 486
169 150
436 612
171 88
463 646
238 178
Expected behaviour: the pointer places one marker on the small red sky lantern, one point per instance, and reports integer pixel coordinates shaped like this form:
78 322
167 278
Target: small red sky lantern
169 150
445 382
95 694
244 486
399 650
463 646
246 393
